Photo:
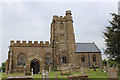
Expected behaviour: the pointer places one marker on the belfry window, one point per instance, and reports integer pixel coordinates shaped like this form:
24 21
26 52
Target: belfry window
94 58
21 59
83 58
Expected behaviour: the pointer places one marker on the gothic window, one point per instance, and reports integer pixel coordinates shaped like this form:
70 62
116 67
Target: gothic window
94 58
21 59
83 58
48 59
64 59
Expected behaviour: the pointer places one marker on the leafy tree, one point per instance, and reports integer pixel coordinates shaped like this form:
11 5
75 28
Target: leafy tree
3 66
112 38
104 62
0 68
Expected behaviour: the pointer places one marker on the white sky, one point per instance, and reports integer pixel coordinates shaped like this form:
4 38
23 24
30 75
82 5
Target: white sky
30 20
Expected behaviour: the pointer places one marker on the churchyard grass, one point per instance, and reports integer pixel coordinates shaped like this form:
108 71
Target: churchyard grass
0 76
4 76
93 74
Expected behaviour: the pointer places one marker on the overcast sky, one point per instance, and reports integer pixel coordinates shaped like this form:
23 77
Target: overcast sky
31 21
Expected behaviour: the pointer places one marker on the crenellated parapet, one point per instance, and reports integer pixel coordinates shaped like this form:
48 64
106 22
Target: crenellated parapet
29 43
67 17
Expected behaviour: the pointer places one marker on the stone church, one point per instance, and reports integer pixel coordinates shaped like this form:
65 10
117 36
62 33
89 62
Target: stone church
61 50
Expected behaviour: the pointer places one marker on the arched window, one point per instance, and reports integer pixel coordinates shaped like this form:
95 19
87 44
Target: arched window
48 59
83 58
21 59
94 58
64 59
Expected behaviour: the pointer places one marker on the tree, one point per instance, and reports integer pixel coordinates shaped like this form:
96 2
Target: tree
104 62
112 38
3 66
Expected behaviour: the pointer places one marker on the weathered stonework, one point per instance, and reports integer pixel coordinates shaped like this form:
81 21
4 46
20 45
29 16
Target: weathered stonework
60 50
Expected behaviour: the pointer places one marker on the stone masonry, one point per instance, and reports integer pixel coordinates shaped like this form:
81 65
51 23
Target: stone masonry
23 56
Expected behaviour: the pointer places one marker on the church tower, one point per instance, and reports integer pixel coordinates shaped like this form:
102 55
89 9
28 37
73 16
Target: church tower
62 39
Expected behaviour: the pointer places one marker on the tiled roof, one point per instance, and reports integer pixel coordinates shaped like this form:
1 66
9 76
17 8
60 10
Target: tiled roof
86 48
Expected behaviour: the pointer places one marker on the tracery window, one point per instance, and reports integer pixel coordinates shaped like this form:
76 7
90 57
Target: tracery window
21 59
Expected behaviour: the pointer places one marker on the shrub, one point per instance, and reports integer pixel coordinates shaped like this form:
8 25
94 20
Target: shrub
39 73
55 68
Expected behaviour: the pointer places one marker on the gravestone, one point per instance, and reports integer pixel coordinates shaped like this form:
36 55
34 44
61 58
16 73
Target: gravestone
43 74
32 71
1 71
83 71
112 74
65 70
104 68
49 69
69 65
88 70
100 68
113 66
117 67
46 74
19 77
56 75
108 65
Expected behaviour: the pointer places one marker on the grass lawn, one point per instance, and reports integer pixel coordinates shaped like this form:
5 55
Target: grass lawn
93 74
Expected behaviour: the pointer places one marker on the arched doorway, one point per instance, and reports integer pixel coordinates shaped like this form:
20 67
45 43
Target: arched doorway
35 66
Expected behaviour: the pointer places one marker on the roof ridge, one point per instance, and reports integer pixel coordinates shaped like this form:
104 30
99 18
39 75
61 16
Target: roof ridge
84 43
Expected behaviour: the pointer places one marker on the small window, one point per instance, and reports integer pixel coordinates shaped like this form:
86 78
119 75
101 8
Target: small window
94 58
83 58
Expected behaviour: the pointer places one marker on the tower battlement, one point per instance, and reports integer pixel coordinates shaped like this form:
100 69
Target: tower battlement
67 17
29 43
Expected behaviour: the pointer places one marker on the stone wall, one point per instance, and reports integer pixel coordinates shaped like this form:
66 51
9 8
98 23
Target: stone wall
88 59
37 52
63 37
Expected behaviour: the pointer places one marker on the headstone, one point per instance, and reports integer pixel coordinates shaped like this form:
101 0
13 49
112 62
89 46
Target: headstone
112 74
49 69
46 74
25 70
69 65
56 75
100 68
117 67
113 66
104 68
43 74
83 71
88 70
1 71
32 71
108 65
